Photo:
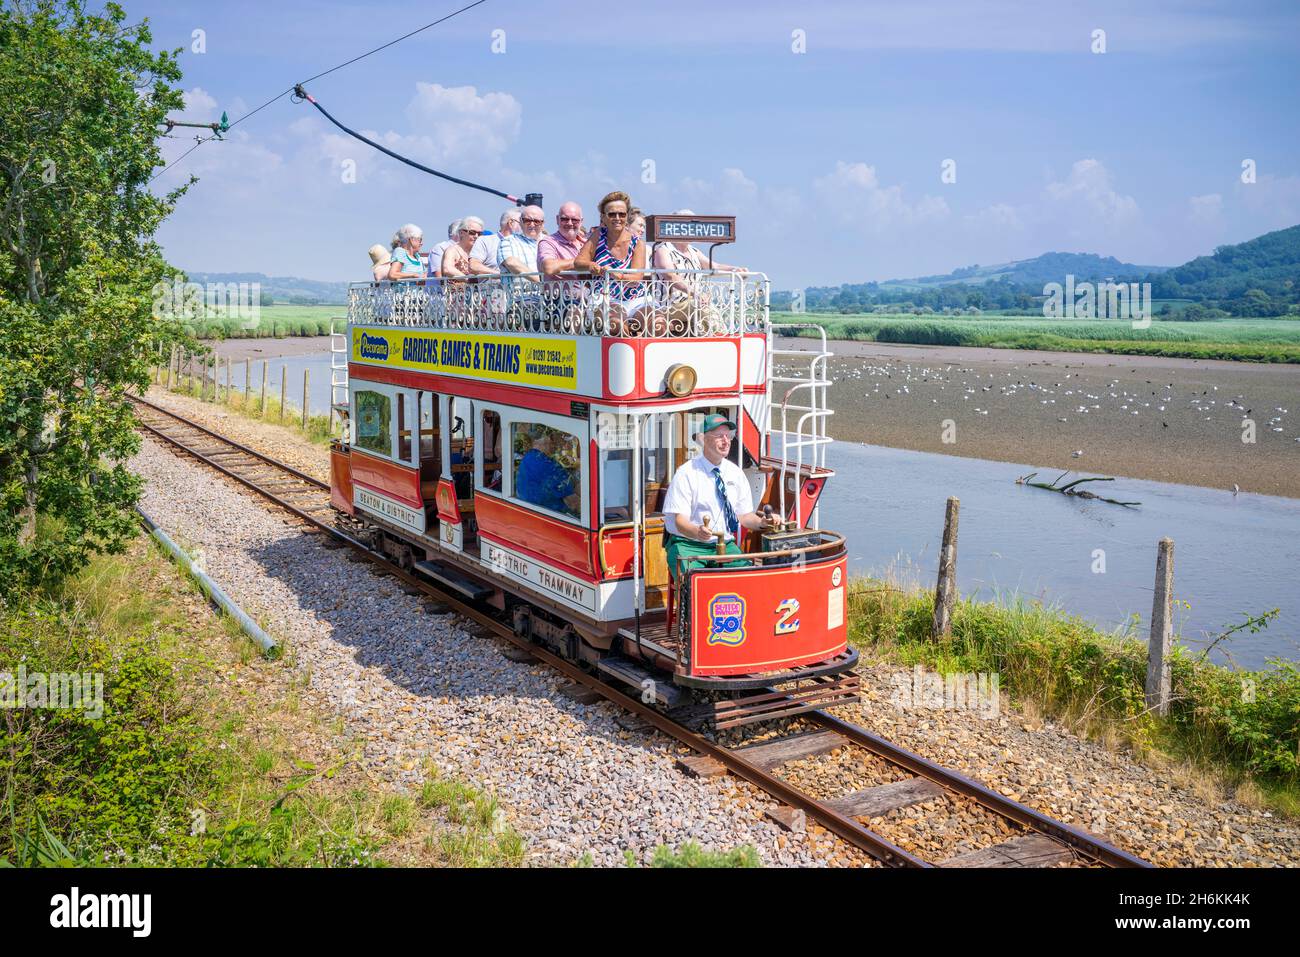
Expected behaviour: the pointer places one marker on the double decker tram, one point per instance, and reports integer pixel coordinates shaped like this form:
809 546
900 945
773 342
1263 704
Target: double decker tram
513 437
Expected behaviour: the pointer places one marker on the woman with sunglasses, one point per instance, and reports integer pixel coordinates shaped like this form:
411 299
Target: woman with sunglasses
455 260
461 305
611 249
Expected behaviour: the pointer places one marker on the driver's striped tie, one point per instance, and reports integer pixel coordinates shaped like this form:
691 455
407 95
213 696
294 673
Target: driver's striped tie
728 512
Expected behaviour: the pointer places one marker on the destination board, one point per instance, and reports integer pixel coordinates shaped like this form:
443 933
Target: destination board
706 229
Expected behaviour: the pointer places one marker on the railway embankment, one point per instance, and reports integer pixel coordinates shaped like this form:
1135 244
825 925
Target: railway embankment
182 746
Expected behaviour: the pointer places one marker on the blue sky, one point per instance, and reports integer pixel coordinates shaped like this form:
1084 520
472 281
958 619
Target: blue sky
831 159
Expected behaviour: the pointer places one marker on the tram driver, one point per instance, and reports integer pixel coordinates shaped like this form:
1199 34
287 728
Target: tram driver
709 485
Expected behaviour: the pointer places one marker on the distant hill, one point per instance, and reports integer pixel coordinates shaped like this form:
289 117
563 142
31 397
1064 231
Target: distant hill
1049 267
1259 277
283 288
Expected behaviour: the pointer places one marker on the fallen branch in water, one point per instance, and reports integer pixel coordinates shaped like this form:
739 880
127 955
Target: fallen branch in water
1069 488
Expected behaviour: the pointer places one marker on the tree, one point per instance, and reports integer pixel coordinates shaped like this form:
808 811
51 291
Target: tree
81 99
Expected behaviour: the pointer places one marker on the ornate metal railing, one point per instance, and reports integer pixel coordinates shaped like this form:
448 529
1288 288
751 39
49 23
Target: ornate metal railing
678 304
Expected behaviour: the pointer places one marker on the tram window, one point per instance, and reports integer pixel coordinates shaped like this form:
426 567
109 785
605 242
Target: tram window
403 430
546 464
374 412
687 426
614 438
490 478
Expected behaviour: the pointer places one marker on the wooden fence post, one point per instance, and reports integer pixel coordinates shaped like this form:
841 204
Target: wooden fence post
230 382
305 376
248 382
1162 627
284 390
171 362
945 592
261 408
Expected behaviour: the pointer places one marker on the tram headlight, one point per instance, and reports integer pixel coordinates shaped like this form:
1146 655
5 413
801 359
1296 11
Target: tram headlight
681 380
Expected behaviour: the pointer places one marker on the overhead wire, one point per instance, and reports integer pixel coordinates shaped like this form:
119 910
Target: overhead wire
332 69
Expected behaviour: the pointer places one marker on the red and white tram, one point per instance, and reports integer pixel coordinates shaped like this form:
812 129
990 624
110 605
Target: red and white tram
452 386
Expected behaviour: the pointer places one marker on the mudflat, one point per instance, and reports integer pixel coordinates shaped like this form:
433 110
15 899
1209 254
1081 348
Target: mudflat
240 349
1149 417
1194 421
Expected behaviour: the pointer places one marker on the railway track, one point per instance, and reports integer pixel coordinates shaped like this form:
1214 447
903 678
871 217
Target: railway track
1035 840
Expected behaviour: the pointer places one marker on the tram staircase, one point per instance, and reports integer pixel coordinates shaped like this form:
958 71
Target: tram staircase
340 403
799 398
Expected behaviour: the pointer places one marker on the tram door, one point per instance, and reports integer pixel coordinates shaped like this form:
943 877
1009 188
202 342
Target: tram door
458 456
430 456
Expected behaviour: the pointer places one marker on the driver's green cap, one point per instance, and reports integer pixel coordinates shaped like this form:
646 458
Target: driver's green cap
715 419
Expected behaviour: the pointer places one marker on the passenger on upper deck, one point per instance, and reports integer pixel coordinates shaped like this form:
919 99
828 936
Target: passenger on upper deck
406 262
543 481
483 257
557 252
455 261
380 258
438 251
611 248
636 223
684 256
518 251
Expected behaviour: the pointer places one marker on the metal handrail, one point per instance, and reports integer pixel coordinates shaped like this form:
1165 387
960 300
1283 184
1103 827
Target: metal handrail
716 303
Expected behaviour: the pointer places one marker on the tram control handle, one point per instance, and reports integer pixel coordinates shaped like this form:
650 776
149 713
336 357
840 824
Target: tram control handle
786 537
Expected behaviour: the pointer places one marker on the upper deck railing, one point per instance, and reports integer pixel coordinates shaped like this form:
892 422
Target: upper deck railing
678 304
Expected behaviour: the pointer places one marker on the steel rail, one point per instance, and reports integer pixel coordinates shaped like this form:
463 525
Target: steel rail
841 825
981 794
154 407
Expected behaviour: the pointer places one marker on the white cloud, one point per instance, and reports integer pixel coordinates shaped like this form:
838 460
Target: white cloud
1274 201
853 192
1087 194
998 216
1205 209
200 106
457 121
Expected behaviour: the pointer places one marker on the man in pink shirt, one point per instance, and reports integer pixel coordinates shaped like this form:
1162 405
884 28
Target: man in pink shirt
556 252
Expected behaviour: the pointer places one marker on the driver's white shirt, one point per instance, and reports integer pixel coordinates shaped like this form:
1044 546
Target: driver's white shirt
692 493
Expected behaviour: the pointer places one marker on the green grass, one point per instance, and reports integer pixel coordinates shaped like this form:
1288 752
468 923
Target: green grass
185 767
271 322
478 835
1254 340
1063 667
691 854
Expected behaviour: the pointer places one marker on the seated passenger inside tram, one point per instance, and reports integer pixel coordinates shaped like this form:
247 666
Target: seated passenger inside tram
541 479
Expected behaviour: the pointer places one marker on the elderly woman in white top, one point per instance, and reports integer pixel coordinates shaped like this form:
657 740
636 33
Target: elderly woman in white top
455 260
406 262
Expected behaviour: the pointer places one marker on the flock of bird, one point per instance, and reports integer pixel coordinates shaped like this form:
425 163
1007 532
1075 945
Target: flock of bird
896 380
